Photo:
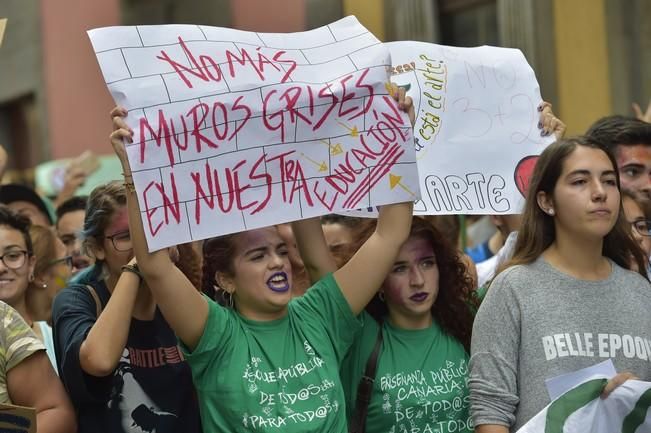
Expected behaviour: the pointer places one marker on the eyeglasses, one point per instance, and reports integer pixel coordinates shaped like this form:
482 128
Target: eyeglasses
643 227
67 260
14 259
121 241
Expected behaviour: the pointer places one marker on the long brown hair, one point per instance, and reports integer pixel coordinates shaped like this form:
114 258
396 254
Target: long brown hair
456 301
189 263
537 231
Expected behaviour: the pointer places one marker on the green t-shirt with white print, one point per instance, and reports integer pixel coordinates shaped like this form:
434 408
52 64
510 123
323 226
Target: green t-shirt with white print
278 376
421 381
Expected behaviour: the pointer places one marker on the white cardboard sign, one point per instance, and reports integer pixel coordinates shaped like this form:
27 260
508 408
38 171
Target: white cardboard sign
236 130
476 132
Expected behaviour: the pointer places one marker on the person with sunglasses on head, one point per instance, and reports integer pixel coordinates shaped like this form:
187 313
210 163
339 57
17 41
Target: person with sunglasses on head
52 270
117 356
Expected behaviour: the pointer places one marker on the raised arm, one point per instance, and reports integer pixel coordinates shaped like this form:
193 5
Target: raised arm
102 349
183 306
314 250
363 275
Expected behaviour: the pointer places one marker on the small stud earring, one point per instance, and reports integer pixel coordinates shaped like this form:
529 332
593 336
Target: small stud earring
551 212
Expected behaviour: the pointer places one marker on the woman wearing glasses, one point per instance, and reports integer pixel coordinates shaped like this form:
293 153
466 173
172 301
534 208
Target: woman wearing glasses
26 376
117 356
30 267
52 269
640 225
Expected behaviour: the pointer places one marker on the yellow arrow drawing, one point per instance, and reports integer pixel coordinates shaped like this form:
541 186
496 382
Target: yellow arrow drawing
353 131
322 165
335 149
394 180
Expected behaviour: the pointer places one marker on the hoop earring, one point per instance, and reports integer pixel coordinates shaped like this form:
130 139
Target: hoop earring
380 295
227 298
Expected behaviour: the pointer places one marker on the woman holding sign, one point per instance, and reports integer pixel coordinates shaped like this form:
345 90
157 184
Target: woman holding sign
566 300
415 338
263 361
415 341
117 356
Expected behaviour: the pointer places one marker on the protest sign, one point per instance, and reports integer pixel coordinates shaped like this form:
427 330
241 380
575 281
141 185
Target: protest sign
476 131
235 130
558 385
581 410
17 419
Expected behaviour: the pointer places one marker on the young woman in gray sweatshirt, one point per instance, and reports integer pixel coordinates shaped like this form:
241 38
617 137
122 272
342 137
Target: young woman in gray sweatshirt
566 300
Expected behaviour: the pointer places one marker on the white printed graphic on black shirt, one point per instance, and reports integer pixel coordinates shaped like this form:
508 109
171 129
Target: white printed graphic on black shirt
139 413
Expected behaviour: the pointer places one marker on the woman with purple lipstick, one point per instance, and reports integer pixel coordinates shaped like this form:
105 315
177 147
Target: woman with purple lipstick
262 361
407 370
420 320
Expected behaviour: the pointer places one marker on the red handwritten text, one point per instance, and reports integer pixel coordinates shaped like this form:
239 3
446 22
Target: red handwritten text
206 68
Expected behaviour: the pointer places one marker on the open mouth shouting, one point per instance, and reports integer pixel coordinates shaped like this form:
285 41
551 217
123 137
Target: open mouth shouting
278 282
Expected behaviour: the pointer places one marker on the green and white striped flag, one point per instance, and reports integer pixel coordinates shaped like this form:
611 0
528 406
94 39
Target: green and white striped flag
581 410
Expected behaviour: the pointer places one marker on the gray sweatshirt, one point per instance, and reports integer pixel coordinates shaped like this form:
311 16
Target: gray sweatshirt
536 323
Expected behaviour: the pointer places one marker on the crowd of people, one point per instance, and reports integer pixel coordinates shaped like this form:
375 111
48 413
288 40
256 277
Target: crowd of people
331 324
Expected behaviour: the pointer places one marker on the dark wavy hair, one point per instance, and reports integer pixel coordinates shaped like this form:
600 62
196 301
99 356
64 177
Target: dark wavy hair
217 255
613 131
73 204
537 231
17 222
456 302
189 263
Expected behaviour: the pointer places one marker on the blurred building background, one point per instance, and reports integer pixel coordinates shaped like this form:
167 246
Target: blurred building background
592 57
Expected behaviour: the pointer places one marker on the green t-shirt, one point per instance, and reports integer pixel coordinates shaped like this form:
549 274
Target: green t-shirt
278 376
421 381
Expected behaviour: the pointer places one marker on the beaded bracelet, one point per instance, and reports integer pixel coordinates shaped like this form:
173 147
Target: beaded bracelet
134 270
128 182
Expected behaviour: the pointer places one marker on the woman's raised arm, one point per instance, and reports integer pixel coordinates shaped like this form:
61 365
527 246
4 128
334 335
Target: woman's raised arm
314 250
363 275
184 308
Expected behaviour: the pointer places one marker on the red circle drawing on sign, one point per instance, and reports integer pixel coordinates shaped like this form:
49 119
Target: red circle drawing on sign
523 172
